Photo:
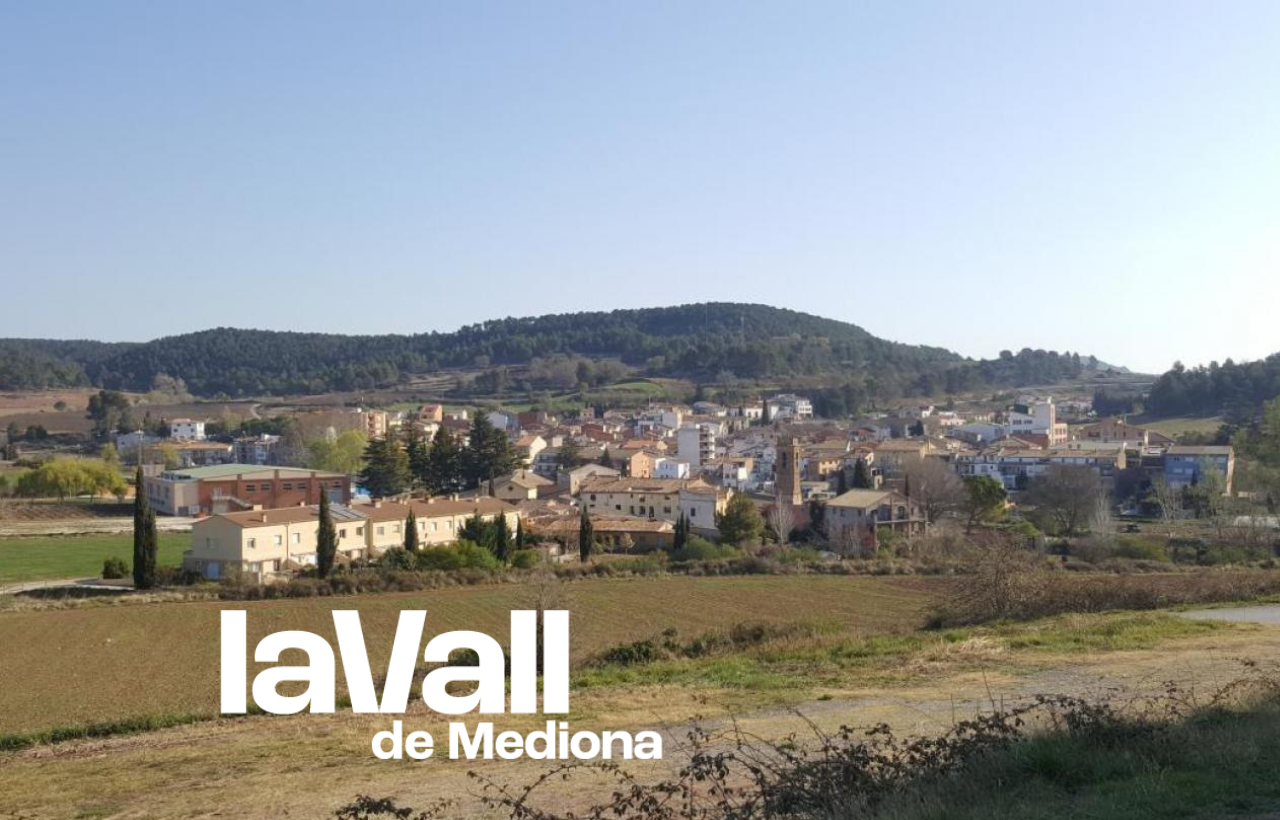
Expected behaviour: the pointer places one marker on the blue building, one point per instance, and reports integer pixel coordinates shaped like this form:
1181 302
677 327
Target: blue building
1186 465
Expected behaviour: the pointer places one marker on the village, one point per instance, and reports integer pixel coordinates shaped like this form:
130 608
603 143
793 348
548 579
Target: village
646 478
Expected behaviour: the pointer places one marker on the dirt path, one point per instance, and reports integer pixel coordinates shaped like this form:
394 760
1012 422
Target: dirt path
305 766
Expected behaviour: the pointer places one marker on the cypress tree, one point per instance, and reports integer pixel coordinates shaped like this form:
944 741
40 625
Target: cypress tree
411 532
906 485
842 483
586 536
520 536
144 537
681 534
501 538
326 539
861 476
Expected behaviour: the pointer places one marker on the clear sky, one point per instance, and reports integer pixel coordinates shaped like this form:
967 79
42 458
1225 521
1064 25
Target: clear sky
1093 176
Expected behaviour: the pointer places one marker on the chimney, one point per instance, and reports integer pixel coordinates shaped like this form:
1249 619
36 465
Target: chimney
264 518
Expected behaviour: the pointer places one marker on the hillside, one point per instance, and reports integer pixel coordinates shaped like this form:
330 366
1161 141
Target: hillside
700 342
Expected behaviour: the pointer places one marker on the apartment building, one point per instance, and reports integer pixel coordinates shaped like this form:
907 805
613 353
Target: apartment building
226 488
262 544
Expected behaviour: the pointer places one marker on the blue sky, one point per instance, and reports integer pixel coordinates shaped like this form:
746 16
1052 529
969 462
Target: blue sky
1093 176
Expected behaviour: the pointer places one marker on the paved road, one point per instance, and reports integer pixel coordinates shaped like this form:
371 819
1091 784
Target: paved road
1239 615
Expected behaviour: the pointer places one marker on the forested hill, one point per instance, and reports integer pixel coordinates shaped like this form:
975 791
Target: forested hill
1236 389
703 341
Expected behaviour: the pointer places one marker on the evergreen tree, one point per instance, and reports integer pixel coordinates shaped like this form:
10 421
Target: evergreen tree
605 460
411 532
681 534
443 468
415 450
501 538
386 468
570 455
521 541
144 537
586 535
326 539
741 522
906 485
489 453
474 530
861 475
842 482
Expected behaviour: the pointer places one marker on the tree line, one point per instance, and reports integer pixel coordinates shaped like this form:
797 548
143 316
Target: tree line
700 342
398 464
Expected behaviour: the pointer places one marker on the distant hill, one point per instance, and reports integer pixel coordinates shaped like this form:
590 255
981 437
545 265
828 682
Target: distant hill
1236 389
700 342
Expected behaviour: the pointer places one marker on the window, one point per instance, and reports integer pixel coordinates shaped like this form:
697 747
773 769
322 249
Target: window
253 543
278 540
617 507
359 530
266 486
666 509
382 530
250 488
396 529
297 538
342 533
693 512
288 485
435 525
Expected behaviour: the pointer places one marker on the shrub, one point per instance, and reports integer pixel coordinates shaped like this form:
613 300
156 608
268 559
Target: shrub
525 559
462 555
113 568
397 558
700 549
1139 549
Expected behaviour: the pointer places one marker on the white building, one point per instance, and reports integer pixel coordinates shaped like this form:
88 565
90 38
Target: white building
670 468
186 430
696 443
1038 418
789 406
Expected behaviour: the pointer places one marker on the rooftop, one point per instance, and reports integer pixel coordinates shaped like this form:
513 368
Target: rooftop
222 471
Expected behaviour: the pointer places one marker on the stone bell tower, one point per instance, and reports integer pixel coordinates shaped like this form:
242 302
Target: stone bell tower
787 470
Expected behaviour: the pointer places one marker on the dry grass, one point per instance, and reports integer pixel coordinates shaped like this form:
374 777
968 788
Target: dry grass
107 663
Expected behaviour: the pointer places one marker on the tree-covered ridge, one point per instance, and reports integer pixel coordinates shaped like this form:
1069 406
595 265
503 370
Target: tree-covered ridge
702 342
33 364
1236 389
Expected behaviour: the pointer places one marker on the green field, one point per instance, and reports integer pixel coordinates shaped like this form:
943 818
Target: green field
1174 427
51 557
67 666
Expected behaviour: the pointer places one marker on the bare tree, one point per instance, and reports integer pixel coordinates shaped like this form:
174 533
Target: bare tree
1169 500
544 592
935 488
1065 496
782 519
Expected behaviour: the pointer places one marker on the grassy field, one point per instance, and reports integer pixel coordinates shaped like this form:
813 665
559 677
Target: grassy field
76 556
1218 762
1178 425
305 766
108 663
